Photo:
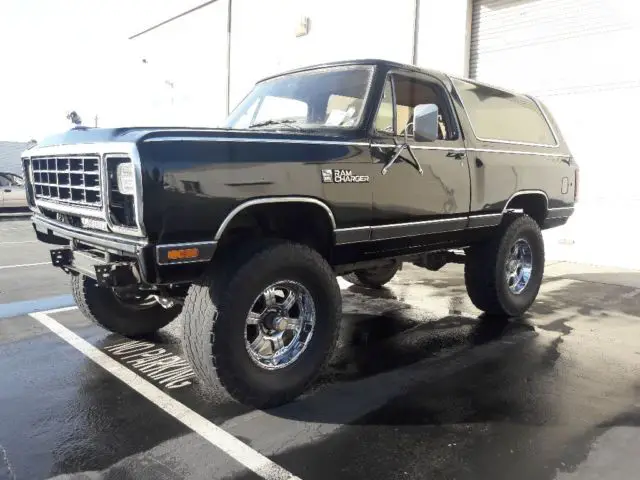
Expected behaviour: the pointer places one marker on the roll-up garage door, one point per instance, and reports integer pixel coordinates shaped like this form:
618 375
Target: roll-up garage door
578 57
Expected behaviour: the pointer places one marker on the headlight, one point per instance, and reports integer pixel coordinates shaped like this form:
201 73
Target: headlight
126 179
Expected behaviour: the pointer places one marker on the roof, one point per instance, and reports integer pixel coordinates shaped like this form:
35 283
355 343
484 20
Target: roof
10 156
387 64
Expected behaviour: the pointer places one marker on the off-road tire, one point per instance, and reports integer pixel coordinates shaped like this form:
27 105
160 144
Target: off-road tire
373 277
102 307
216 309
485 266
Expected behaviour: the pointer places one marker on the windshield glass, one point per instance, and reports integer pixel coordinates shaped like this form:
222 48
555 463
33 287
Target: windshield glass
327 98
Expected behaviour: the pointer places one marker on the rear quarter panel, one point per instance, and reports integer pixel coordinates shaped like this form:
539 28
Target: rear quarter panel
498 170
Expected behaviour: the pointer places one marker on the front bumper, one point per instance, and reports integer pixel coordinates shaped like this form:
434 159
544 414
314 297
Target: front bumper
110 242
110 259
117 260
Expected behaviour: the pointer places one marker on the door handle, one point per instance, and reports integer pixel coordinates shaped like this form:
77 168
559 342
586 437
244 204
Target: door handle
7 190
456 155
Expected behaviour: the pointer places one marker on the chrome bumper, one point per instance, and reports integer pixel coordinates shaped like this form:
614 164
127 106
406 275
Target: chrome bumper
49 229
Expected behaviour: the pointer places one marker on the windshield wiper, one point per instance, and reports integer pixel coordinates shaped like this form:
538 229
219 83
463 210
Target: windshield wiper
286 121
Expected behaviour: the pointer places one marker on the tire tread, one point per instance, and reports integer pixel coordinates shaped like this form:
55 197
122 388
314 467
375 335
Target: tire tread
481 268
201 312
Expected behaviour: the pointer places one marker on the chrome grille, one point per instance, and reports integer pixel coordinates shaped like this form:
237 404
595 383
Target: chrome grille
68 179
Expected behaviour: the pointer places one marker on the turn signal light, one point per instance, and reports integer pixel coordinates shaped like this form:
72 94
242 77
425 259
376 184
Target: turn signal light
183 254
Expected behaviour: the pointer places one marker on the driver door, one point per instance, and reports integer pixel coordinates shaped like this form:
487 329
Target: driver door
405 201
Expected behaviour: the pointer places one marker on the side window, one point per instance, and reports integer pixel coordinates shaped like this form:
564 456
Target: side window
384 118
280 108
504 116
411 92
4 181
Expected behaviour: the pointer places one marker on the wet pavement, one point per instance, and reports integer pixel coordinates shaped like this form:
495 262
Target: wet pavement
421 386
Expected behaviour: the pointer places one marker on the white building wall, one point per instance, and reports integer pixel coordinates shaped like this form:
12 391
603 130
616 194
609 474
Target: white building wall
264 35
190 52
183 79
443 35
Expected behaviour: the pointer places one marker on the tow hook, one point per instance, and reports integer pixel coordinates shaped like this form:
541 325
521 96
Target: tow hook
165 302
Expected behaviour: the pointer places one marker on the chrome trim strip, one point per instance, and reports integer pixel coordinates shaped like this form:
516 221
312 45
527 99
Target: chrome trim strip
182 244
519 152
91 237
353 229
484 220
416 224
424 76
137 192
560 212
258 140
554 134
350 144
526 192
372 229
183 262
260 201
167 246
71 209
486 215
345 236
393 233
103 150
420 147
494 140
556 209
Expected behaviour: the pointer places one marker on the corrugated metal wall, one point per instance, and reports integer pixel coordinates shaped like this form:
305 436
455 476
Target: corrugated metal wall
577 57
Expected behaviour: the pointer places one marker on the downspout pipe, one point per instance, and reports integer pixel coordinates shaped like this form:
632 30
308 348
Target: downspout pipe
416 31
228 85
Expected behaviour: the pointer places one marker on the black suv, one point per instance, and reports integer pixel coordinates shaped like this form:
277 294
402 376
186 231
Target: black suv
349 168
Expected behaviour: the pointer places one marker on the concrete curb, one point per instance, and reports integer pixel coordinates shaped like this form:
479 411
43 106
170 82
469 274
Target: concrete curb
12 216
15 215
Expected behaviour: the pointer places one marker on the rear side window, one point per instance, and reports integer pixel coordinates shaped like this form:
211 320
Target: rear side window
503 116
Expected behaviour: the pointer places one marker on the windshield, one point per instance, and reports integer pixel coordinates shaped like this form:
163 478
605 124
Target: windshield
327 98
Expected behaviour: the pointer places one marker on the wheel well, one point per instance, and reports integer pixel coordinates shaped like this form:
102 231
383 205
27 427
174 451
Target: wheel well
300 222
533 204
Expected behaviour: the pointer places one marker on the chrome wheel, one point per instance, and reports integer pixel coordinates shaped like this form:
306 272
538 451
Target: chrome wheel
519 266
280 324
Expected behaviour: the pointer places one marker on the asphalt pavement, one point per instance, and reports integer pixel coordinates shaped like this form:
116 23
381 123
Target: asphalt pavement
421 386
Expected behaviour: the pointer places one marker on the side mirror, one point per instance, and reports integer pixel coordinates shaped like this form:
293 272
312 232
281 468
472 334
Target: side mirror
425 122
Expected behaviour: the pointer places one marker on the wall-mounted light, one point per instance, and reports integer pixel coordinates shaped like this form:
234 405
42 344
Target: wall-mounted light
303 27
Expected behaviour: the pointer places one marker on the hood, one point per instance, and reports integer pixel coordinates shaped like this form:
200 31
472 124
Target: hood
87 135
79 135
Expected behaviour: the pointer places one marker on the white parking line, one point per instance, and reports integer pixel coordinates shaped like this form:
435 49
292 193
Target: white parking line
4 267
226 442
60 310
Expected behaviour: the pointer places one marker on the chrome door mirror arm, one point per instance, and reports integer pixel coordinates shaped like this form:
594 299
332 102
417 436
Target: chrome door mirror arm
395 157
